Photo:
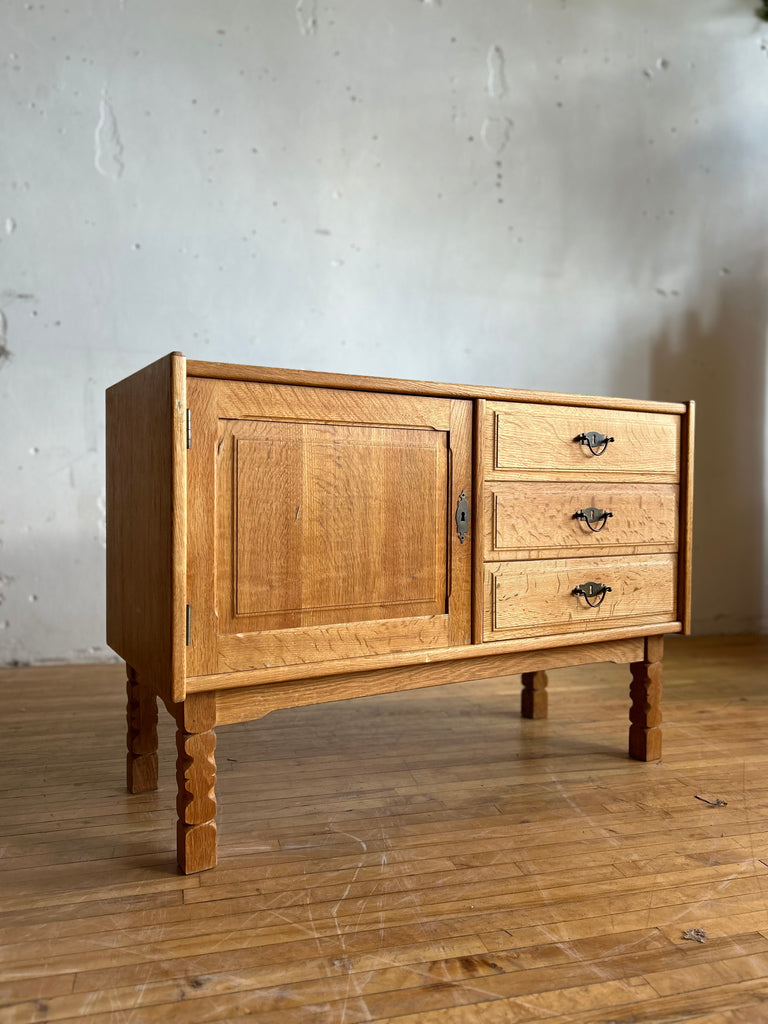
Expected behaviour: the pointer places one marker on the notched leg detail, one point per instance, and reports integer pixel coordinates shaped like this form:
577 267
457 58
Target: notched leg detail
141 764
533 698
645 692
196 800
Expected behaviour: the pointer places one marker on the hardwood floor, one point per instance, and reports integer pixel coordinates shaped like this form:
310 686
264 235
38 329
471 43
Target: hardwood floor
426 857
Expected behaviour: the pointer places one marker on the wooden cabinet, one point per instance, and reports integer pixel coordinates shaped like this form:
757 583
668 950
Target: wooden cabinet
278 538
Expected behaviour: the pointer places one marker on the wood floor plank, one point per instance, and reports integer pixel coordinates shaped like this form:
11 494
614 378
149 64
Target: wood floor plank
426 858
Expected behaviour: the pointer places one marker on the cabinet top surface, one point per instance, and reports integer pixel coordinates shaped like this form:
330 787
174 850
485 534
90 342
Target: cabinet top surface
353 382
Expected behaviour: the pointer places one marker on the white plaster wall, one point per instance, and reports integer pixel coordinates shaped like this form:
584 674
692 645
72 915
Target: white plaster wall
560 195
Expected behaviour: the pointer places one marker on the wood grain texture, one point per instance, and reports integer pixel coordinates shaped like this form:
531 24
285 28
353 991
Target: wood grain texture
351 382
146 525
244 704
479 519
202 503
460 437
329 523
533 696
241 400
529 520
196 713
196 800
320 525
322 669
333 643
537 442
141 713
424 858
536 598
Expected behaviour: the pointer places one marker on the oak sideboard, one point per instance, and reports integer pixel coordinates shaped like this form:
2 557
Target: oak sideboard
278 538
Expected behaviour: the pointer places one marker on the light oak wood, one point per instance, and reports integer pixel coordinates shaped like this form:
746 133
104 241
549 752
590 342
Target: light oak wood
244 678
530 520
536 598
196 801
686 503
331 644
197 713
329 538
146 523
538 442
329 523
353 382
237 399
245 704
460 552
202 654
479 520
427 858
305 548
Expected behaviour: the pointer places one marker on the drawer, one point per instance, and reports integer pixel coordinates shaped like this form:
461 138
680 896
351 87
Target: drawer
529 519
536 598
538 442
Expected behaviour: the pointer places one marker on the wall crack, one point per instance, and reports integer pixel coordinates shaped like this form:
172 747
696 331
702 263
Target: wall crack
108 146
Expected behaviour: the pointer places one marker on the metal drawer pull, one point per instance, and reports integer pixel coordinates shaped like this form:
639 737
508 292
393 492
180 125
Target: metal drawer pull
595 441
593 515
589 590
462 517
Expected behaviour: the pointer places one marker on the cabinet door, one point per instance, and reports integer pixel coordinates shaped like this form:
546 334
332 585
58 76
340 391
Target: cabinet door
322 525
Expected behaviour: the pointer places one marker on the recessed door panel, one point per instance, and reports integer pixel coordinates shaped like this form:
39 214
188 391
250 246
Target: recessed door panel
331 523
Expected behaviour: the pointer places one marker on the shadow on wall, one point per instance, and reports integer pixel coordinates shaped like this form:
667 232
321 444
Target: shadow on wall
718 358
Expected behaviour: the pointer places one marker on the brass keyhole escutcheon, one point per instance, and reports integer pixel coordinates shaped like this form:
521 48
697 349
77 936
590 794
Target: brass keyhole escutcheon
462 517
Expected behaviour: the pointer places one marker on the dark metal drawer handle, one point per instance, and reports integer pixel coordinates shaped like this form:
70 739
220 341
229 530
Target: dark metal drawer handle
593 515
462 517
590 590
597 442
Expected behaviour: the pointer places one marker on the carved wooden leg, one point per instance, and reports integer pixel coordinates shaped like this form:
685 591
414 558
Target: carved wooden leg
142 735
645 713
533 698
196 799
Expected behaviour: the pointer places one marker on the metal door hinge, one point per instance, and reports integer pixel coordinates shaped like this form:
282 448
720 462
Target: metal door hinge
189 624
189 428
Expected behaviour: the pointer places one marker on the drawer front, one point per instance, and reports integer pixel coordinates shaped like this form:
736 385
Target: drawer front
537 442
536 598
528 520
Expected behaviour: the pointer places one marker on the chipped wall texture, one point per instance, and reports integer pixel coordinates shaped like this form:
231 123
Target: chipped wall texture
557 195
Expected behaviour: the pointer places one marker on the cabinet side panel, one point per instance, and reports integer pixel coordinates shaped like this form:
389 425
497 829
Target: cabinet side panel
686 519
146 481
